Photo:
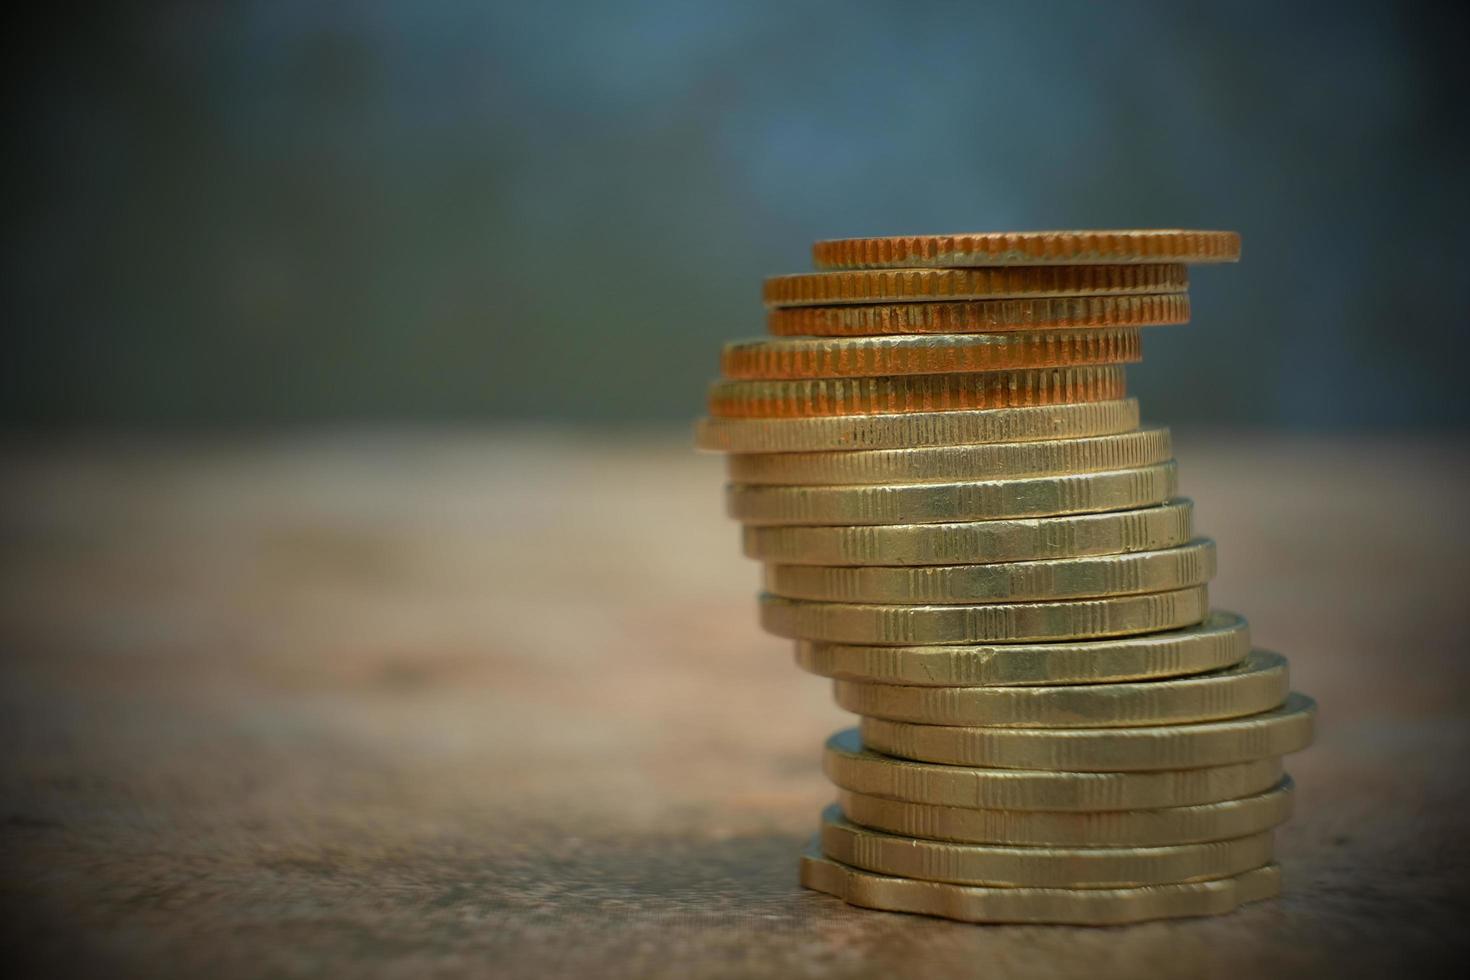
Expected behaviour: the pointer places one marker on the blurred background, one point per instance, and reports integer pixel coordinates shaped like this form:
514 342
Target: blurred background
364 609
280 213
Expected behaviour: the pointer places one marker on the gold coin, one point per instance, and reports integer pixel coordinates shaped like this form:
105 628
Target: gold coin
1077 619
913 429
852 767
1058 906
1225 820
1221 640
1256 684
1025 248
979 542
921 285
1027 581
979 316
1038 867
946 464
934 503
915 393
865 357
1278 732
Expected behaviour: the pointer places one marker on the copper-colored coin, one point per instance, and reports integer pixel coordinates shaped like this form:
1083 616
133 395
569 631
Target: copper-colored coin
1024 248
1058 906
916 429
929 285
980 316
1161 826
864 357
915 393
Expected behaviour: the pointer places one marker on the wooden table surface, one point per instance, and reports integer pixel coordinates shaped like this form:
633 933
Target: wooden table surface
469 704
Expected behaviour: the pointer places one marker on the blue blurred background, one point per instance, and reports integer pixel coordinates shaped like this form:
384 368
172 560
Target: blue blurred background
262 214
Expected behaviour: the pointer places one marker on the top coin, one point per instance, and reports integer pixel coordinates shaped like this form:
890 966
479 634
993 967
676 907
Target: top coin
1128 247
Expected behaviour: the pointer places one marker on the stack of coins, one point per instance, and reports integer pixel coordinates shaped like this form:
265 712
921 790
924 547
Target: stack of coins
963 525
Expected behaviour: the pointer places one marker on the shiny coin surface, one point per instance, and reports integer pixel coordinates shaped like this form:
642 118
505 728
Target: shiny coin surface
980 542
914 429
946 464
1221 640
1037 867
925 285
1023 248
1225 820
1028 581
1270 734
1258 683
852 767
915 393
862 357
1061 906
843 622
926 503
979 316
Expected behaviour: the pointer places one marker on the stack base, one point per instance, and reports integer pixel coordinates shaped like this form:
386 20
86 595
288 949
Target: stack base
1054 906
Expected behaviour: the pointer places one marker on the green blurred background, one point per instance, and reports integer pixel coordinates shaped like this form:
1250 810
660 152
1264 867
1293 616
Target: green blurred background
261 214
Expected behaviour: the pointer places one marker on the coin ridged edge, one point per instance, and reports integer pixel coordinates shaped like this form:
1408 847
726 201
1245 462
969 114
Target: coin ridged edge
1278 732
936 503
859 357
1083 906
916 429
1221 640
852 766
976 542
1256 684
822 398
921 285
990 622
1025 248
1199 822
1038 867
955 464
979 316
1031 581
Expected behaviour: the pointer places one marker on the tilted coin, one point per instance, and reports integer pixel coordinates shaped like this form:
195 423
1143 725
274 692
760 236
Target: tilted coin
1258 683
922 285
914 429
1225 820
978 542
1037 867
979 316
915 393
862 357
1025 581
946 464
1058 906
1025 248
1074 619
852 767
1273 733
1221 640
935 503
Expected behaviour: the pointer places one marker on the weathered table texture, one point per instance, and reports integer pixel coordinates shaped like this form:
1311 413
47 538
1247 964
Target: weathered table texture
458 703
